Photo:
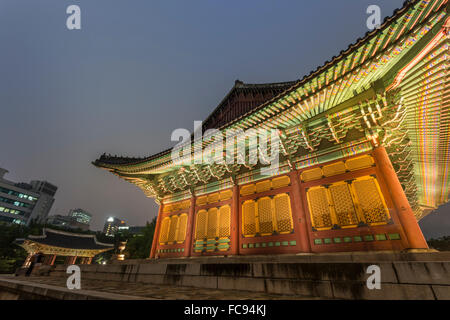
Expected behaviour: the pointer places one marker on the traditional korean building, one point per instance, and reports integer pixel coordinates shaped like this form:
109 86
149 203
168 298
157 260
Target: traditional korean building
76 248
364 154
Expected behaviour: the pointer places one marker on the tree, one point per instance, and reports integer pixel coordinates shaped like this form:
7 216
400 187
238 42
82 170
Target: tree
12 256
441 244
139 245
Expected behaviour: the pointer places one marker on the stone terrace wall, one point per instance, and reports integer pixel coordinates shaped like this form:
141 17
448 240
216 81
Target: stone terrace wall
325 276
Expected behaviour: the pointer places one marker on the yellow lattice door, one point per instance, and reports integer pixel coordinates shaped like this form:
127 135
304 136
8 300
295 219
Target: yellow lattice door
212 223
343 204
319 207
173 228
249 218
224 221
200 228
370 200
283 213
182 224
265 216
164 233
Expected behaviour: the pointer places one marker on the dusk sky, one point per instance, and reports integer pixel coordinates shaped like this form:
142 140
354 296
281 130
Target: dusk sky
139 69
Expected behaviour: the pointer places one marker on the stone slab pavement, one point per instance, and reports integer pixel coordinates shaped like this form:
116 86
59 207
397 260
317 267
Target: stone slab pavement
101 289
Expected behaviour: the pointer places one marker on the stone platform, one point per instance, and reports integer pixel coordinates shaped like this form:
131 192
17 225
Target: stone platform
404 275
54 288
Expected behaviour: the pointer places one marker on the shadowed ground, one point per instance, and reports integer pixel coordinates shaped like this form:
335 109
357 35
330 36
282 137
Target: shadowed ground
103 289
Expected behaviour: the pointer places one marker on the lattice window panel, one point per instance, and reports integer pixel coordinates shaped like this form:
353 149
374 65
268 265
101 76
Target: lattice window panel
265 216
343 204
225 195
202 200
359 163
214 197
280 182
182 224
263 186
283 213
312 174
319 207
224 221
168 208
249 218
370 200
173 228
248 189
333 169
200 232
164 233
211 232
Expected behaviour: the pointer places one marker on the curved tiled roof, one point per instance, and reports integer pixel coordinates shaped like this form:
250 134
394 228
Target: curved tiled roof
265 90
289 87
67 240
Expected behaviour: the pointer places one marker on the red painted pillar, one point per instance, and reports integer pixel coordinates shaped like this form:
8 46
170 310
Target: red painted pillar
52 260
234 227
409 223
156 234
298 214
188 242
27 261
70 260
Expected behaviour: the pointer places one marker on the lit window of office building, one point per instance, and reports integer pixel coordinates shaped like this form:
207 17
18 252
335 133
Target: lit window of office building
112 225
80 215
22 203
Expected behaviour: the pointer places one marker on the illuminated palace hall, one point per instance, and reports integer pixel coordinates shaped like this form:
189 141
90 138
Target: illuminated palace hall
364 154
59 247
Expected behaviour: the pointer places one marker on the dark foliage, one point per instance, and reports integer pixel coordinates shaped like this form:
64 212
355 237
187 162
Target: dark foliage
139 245
441 244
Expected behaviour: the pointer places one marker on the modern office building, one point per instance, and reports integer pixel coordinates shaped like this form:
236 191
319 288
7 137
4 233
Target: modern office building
66 222
22 203
76 219
80 215
112 225
131 229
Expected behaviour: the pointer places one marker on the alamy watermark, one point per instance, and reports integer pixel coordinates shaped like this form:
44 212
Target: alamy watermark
74 280
73 21
374 280
374 19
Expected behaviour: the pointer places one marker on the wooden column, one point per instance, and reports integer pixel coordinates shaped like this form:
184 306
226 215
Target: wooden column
234 227
298 214
407 218
68 260
156 234
27 261
188 242
52 260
